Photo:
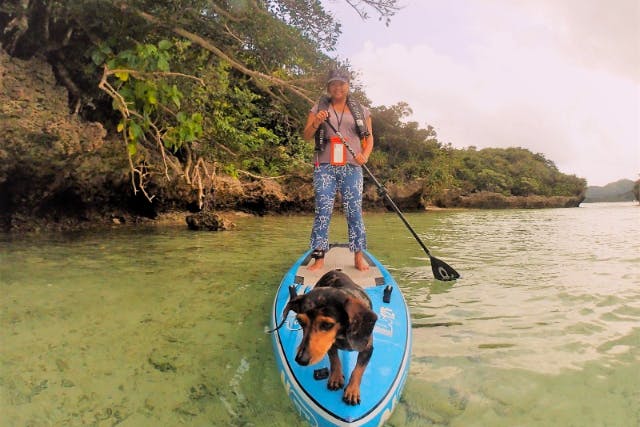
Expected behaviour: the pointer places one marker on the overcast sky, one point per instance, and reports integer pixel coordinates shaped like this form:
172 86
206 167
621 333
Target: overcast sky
559 77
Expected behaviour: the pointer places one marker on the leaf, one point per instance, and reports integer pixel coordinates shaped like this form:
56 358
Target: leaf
122 75
132 148
140 89
135 131
196 117
152 98
120 127
169 140
97 57
163 64
126 93
165 44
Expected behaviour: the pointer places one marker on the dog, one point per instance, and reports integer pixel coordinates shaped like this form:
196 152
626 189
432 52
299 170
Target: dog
335 315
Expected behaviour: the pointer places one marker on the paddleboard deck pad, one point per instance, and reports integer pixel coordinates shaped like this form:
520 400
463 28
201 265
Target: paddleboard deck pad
388 367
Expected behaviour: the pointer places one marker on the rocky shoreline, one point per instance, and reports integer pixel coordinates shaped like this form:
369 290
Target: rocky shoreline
58 172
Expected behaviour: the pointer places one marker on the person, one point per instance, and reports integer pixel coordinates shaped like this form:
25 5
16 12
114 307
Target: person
335 168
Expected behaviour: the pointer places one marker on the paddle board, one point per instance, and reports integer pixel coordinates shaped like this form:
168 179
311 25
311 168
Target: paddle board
387 370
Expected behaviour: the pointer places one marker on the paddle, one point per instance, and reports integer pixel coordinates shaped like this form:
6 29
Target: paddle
441 270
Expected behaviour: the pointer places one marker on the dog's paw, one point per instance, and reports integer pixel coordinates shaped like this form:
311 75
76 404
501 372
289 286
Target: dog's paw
336 381
351 395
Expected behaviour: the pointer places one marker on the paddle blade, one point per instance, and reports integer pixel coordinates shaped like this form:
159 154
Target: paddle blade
442 270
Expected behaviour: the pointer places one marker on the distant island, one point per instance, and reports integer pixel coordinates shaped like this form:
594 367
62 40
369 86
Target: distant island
619 191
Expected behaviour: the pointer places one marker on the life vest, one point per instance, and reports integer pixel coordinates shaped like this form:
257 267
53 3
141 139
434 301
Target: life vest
357 111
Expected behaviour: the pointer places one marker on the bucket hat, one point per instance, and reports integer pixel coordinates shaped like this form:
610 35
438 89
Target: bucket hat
338 76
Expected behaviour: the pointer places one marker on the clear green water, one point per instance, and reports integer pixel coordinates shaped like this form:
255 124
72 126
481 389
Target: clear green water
165 327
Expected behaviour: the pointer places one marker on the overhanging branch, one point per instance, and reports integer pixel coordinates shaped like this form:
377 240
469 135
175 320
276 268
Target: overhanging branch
206 44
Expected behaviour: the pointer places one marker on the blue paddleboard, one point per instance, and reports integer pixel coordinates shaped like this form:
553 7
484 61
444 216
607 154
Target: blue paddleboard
387 370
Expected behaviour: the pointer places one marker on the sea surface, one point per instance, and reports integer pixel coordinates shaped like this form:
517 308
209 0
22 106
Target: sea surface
165 327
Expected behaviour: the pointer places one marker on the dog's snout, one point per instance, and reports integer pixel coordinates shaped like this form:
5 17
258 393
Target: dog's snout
302 357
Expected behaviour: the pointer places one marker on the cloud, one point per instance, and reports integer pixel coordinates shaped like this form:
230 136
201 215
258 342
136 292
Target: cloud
527 76
596 33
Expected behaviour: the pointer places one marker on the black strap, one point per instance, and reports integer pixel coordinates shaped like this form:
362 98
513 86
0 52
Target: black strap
317 254
338 119
357 111
358 117
322 133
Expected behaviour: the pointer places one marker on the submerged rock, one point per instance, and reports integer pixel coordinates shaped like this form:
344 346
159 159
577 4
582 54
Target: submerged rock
208 221
162 362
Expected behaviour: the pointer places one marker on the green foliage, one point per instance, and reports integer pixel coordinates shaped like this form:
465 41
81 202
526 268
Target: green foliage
405 152
147 97
515 172
260 61
236 130
408 148
244 108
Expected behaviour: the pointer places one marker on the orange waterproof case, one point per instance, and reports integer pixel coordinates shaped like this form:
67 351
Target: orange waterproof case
338 151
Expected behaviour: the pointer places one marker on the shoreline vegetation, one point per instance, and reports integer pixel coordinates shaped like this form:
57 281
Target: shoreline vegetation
60 172
111 117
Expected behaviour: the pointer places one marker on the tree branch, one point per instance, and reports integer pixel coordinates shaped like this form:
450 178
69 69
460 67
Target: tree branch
385 8
126 113
140 74
206 44
258 176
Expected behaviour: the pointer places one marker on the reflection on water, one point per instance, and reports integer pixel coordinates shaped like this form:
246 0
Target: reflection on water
165 327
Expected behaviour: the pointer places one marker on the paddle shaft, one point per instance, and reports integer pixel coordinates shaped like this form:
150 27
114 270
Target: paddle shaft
383 191
441 270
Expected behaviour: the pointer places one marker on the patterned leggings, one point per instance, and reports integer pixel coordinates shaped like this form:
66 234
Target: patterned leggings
327 179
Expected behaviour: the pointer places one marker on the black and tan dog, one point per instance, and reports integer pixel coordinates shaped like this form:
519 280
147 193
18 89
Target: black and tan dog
335 315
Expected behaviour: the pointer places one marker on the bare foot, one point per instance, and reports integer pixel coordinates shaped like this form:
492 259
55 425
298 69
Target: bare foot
317 264
360 262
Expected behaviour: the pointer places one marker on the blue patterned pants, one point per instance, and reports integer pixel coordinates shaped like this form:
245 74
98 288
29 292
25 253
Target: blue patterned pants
327 180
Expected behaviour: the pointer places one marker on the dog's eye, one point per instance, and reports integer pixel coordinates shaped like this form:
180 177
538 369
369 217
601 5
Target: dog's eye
325 326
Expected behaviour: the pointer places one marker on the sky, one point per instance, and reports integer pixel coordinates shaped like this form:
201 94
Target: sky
558 77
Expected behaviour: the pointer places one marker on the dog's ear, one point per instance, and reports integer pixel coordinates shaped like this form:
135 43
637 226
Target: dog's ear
294 304
361 322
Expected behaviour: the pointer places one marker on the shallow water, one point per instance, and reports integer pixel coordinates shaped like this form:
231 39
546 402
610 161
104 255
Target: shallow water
165 326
